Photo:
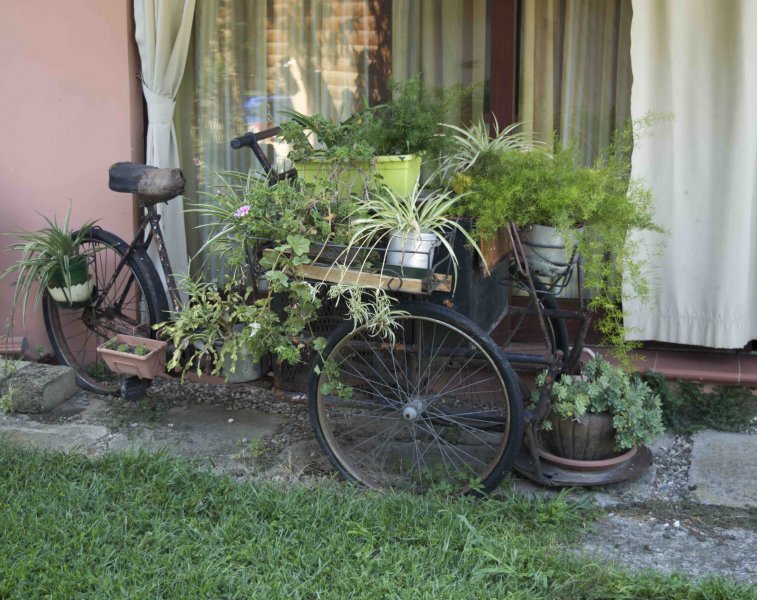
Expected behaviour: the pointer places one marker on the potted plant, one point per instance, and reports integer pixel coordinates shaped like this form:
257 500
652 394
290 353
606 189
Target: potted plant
599 417
412 226
475 151
284 229
134 356
588 209
214 333
388 139
54 258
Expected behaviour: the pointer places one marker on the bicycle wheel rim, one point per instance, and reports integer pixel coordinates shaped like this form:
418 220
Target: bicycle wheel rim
447 428
118 304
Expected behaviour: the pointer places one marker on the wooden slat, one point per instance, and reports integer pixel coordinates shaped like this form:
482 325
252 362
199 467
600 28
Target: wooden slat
361 279
332 274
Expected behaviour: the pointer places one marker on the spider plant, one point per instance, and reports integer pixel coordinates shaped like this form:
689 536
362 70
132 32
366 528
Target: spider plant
47 256
468 146
421 212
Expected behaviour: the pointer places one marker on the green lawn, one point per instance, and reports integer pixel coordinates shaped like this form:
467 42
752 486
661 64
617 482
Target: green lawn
143 526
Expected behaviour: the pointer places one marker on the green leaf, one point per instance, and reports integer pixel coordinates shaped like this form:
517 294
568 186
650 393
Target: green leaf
277 277
299 243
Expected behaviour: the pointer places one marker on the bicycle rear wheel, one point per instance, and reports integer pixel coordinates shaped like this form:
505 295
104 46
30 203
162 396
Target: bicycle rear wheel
128 297
436 408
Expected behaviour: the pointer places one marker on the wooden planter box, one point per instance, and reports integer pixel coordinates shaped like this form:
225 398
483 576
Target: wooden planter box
497 249
144 367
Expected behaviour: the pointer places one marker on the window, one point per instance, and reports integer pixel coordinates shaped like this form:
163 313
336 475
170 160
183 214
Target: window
251 60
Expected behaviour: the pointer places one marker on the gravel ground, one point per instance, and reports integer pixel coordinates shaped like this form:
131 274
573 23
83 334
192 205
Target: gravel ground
671 463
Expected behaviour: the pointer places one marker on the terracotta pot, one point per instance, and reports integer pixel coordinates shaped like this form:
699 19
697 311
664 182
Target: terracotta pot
588 465
145 367
591 437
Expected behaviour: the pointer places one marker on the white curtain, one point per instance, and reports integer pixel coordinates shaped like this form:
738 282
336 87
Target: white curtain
163 29
575 75
697 60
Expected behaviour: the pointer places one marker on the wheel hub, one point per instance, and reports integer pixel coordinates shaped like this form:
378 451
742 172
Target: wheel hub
412 410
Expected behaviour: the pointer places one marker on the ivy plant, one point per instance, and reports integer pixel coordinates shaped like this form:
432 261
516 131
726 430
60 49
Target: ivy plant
281 228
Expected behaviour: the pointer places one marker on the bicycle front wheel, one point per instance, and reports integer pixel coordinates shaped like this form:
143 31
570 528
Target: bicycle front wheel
128 297
437 407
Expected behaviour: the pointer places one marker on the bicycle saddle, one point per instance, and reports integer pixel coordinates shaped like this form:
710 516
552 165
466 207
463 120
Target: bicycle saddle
152 184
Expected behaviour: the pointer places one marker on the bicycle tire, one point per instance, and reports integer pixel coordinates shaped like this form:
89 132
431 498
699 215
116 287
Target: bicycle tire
456 425
133 303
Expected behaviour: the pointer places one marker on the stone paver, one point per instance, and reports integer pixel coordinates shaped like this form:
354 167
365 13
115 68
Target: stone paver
65 437
224 439
37 388
642 544
214 434
723 469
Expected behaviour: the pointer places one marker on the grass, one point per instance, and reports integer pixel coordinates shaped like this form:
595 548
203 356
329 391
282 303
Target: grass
687 408
146 526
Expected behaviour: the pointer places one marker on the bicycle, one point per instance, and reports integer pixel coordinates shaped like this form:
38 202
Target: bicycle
436 406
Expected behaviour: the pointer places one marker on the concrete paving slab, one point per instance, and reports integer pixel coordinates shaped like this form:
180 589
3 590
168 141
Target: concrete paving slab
723 469
65 437
674 547
224 438
37 388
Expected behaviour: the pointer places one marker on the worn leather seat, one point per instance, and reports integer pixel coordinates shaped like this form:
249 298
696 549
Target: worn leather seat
152 184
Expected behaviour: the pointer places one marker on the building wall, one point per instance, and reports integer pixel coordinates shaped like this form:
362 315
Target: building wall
70 107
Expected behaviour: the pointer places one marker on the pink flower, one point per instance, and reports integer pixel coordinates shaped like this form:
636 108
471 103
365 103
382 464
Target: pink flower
242 211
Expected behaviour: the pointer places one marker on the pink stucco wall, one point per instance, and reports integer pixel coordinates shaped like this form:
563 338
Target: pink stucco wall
70 106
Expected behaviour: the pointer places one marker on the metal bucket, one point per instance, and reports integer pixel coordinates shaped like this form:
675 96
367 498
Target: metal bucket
411 250
546 252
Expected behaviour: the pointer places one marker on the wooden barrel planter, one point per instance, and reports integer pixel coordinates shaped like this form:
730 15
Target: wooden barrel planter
583 444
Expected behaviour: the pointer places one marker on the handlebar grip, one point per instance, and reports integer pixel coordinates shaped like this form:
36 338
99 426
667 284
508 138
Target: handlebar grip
243 140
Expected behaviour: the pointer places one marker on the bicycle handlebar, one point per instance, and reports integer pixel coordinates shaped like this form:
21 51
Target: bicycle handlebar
248 139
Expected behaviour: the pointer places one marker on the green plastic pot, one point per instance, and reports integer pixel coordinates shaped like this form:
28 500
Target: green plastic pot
77 267
80 292
398 173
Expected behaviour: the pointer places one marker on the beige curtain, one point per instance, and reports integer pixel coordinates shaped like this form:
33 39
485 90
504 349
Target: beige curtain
445 42
162 31
575 72
697 61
